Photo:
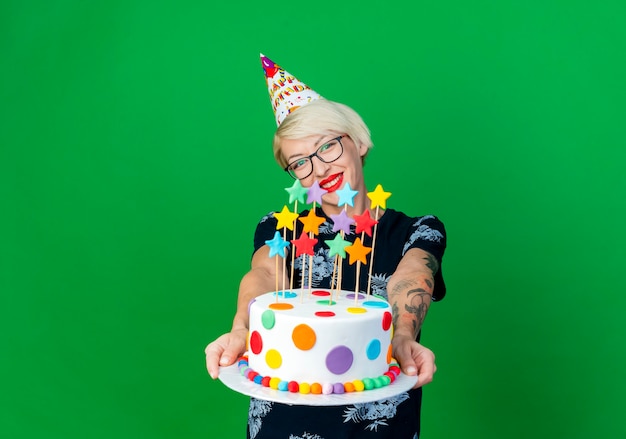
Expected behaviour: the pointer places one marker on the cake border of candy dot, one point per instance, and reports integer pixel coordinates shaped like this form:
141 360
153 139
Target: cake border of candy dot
316 388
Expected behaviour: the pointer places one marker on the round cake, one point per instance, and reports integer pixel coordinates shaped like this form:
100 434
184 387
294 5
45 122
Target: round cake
312 341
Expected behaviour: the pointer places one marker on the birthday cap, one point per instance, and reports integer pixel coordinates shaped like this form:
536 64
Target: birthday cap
287 93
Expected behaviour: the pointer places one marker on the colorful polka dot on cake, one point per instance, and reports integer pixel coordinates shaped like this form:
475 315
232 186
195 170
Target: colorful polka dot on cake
373 349
256 342
339 360
268 319
387 319
373 304
286 294
303 337
320 293
273 358
250 304
280 306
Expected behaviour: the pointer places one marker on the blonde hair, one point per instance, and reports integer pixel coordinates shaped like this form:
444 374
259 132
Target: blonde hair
321 117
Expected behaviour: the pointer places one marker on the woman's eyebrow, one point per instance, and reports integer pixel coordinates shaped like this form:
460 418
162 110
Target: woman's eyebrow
317 142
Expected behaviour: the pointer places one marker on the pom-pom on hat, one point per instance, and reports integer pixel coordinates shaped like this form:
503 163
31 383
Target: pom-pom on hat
287 93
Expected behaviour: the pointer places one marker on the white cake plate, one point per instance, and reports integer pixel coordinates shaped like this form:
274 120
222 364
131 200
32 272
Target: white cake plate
233 379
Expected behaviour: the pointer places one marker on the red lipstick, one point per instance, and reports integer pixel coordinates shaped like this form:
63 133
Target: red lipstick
332 183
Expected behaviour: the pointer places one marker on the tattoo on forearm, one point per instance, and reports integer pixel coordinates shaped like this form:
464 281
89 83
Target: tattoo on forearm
411 297
395 313
432 263
401 286
419 300
415 304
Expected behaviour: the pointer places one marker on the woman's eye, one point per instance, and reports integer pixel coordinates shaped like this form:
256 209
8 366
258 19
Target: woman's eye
298 164
327 146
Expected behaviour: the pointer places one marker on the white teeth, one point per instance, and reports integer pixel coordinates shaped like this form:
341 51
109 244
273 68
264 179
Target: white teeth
332 182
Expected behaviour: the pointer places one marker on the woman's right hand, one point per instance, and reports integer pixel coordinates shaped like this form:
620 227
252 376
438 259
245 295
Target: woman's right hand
225 350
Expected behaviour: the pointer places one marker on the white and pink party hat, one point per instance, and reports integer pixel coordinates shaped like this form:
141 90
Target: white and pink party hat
287 93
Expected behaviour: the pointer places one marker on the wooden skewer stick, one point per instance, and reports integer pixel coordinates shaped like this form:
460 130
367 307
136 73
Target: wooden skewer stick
293 253
369 275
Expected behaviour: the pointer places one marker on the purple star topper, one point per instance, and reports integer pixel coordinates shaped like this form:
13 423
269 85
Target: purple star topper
342 222
314 195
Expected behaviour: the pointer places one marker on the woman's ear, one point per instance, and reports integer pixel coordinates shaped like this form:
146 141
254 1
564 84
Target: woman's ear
363 150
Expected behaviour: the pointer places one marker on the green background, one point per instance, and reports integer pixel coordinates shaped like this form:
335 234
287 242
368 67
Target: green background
135 161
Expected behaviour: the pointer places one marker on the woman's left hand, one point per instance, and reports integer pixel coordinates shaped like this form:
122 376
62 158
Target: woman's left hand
414 359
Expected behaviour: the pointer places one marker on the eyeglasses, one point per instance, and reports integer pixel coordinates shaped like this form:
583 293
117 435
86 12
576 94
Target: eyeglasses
327 153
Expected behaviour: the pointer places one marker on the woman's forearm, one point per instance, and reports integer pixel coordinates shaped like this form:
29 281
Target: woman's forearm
410 291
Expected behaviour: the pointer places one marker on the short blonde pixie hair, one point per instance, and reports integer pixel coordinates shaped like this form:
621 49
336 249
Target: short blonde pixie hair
321 117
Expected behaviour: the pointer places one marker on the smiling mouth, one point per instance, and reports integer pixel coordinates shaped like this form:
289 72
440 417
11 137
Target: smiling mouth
332 183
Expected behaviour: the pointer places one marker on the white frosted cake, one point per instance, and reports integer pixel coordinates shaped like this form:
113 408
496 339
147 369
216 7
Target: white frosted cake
304 341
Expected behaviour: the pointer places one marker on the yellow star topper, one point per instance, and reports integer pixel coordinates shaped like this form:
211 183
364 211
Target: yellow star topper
378 197
285 218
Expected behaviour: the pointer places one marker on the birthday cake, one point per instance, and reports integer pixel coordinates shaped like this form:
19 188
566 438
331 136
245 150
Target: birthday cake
320 342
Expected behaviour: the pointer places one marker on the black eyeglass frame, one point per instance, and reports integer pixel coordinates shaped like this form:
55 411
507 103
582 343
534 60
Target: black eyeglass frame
315 154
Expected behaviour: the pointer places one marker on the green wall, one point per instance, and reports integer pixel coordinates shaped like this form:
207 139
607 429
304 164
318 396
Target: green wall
133 135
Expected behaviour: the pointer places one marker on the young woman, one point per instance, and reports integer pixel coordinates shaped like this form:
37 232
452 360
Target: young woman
327 142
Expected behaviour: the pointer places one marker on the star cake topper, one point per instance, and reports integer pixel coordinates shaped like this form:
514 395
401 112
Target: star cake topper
364 223
378 197
285 218
337 246
312 222
296 192
315 193
304 245
277 245
346 195
342 222
358 252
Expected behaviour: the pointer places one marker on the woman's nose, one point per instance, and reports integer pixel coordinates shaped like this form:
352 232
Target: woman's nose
320 169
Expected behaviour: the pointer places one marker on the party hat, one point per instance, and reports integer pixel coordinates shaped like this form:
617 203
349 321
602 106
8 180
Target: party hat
287 93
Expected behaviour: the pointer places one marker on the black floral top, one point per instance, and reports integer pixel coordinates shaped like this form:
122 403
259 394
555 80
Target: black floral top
397 417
